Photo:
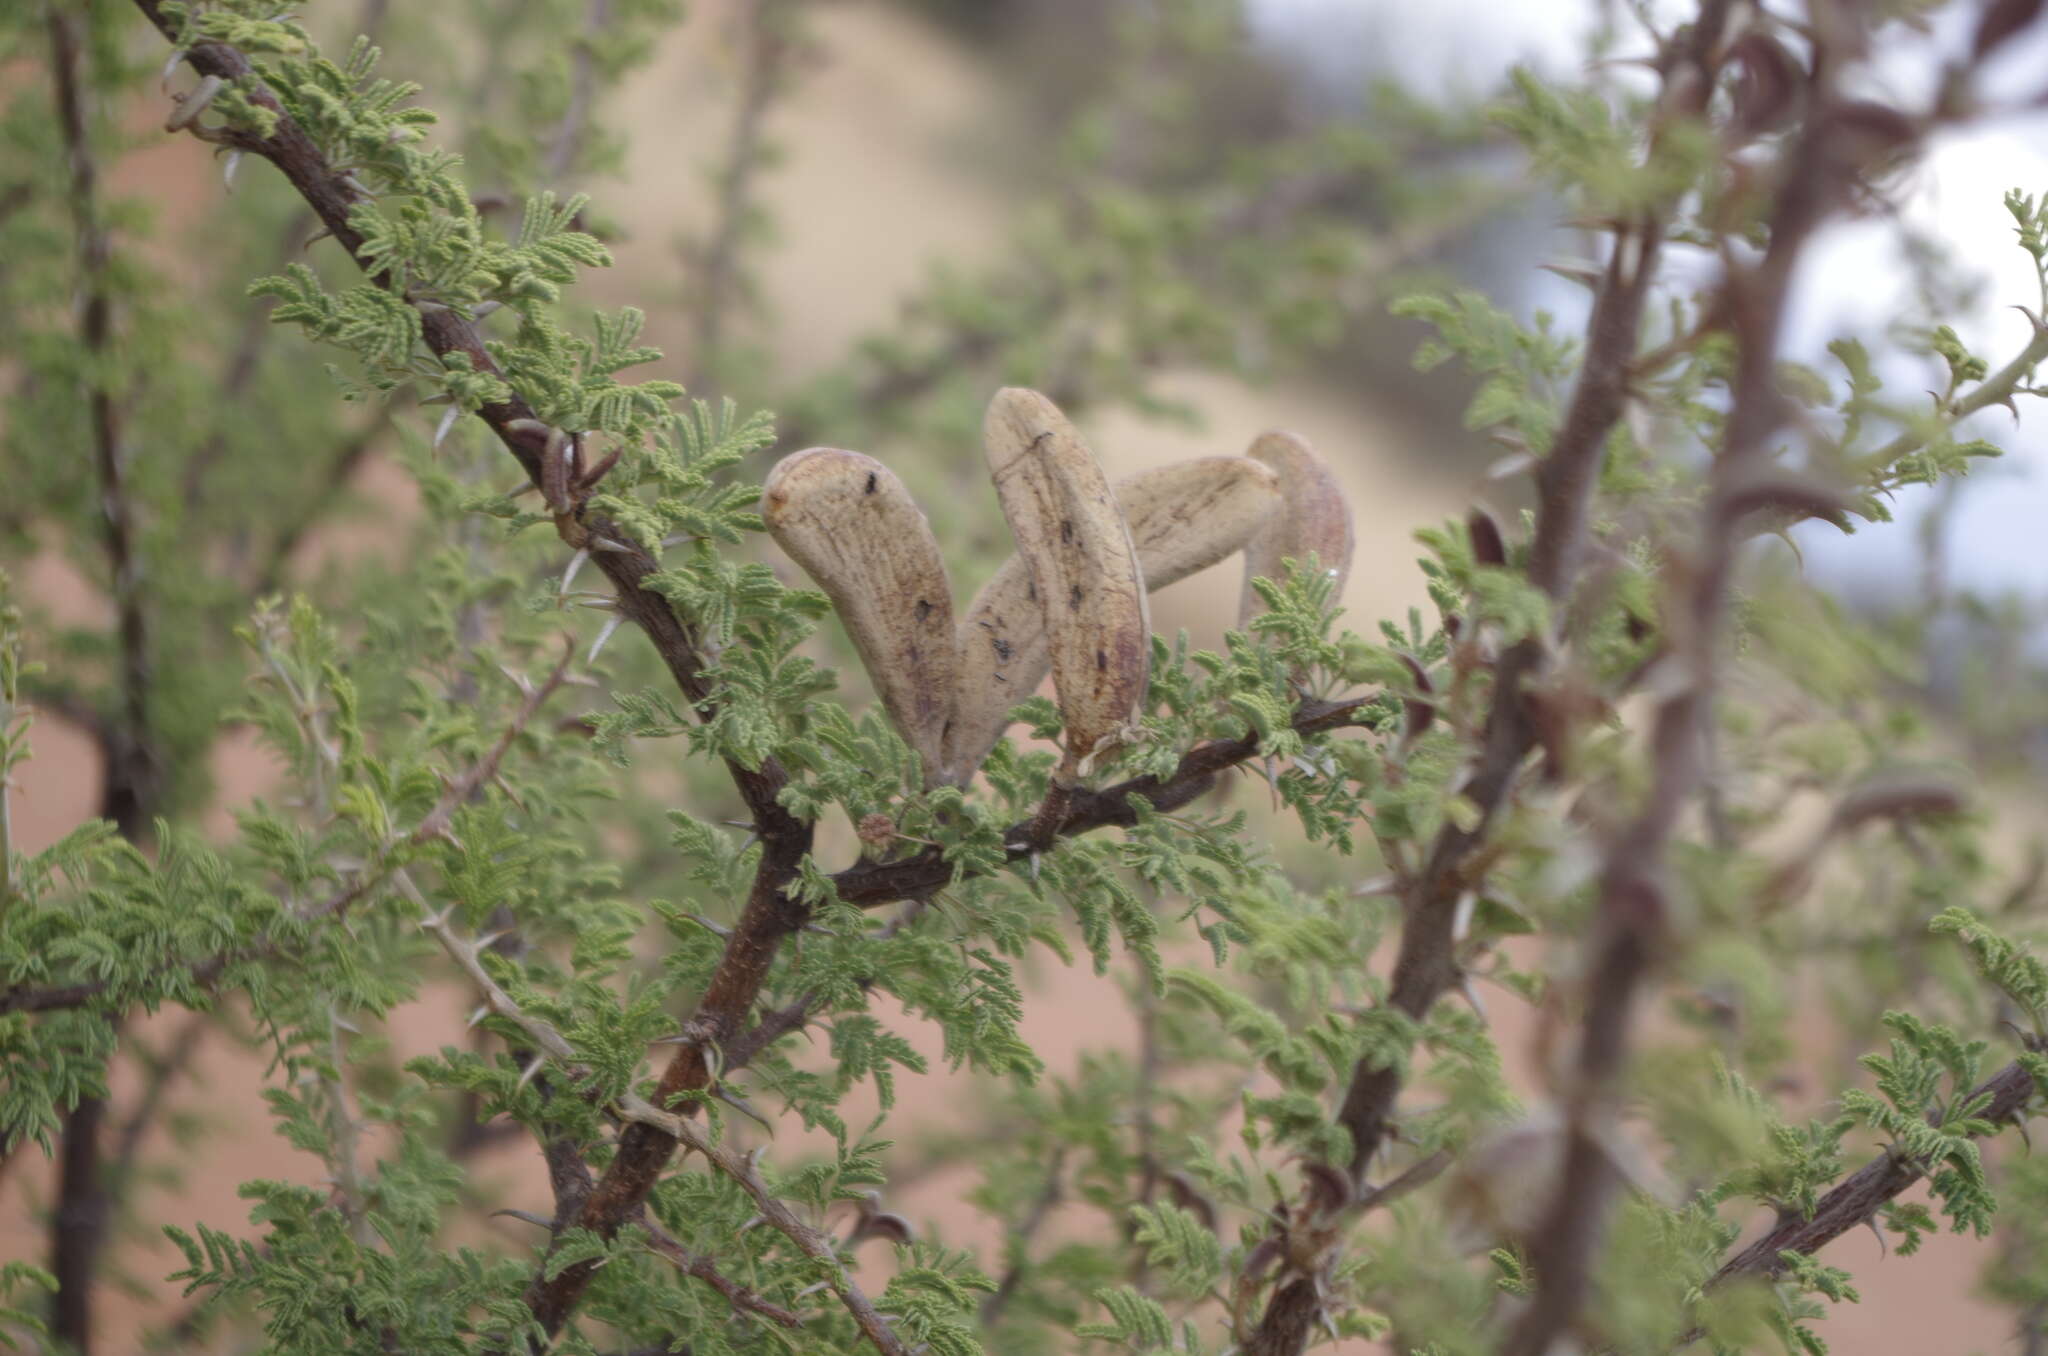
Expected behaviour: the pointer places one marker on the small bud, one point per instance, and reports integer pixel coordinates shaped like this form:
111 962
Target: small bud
876 830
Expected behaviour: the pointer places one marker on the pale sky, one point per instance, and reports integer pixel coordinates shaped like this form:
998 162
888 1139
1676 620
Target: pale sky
1855 282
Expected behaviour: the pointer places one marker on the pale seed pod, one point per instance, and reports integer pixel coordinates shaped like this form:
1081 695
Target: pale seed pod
1083 569
1182 518
849 522
1313 519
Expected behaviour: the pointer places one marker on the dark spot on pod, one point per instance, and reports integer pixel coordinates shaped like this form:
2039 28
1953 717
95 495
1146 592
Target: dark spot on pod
1074 595
1031 591
1067 531
1101 662
924 611
1003 649
872 482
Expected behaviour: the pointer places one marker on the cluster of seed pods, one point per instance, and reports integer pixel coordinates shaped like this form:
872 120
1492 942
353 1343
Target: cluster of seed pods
1071 602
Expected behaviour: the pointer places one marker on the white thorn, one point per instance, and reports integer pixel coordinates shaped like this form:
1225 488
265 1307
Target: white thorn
170 66
569 575
192 105
447 422
227 171
611 624
484 308
483 1010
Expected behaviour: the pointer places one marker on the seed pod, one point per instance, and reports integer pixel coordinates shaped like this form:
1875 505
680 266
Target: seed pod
1083 568
1182 518
848 521
1313 519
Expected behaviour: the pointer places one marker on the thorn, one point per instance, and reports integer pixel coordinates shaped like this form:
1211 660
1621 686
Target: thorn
426 307
192 105
607 544
170 68
227 171
750 1223
483 943
569 574
1471 995
528 1074
1033 859
1883 1249
483 1010
709 926
527 426
484 308
447 422
739 1104
526 1217
519 680
315 239
611 624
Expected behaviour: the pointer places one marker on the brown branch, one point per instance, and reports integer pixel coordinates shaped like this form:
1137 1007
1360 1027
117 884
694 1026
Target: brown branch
1426 963
1020 1239
768 32
170 1065
1820 175
813 1244
133 775
568 138
704 1269
1856 1201
769 915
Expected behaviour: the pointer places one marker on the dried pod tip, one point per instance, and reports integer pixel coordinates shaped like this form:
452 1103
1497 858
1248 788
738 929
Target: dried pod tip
1313 519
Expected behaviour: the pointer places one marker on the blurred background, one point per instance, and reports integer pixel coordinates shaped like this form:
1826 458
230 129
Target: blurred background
1184 220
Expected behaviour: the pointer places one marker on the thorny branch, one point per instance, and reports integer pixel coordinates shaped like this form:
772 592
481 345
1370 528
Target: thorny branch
568 138
1426 964
1857 1199
636 1110
1819 175
769 914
